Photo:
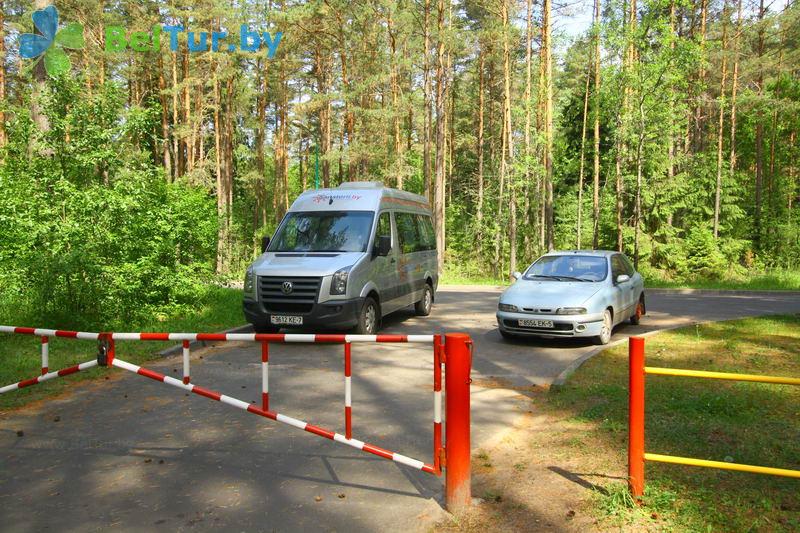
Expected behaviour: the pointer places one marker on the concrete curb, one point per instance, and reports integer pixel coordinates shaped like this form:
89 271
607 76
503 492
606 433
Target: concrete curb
562 378
178 348
722 292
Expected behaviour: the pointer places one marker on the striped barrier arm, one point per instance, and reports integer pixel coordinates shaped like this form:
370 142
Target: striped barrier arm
48 376
234 402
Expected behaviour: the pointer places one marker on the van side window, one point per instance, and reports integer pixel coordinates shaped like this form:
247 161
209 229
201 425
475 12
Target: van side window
384 226
426 234
407 232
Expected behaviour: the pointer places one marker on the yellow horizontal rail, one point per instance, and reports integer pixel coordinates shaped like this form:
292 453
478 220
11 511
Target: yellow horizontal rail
719 464
719 375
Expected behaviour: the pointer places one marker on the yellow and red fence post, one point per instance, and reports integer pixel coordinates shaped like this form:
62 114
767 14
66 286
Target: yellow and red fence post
636 416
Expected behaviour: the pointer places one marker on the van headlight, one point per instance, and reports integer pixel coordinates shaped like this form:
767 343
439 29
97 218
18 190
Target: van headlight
339 281
507 307
249 281
571 311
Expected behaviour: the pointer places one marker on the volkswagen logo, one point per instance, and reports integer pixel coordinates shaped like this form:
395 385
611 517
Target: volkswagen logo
287 287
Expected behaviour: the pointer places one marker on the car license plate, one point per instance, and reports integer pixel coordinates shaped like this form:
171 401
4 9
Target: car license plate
286 320
536 323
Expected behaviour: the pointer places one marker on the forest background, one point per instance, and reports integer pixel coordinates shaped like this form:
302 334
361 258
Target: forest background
135 180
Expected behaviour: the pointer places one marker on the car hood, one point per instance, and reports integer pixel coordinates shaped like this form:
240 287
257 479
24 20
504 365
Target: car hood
291 264
542 294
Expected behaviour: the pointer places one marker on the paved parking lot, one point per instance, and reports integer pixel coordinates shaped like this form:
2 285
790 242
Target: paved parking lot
139 455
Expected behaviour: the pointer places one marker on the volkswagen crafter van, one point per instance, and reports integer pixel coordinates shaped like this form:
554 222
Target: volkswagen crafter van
344 258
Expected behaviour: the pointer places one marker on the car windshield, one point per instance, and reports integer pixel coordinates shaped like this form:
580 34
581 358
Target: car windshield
324 231
568 268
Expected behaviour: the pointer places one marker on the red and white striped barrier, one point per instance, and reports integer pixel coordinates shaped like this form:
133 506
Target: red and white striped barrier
453 350
48 376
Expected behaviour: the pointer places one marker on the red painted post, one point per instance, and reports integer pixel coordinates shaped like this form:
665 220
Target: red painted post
265 375
636 416
186 369
437 404
458 363
348 420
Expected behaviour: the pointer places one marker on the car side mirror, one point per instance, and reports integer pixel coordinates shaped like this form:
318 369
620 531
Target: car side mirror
383 245
264 243
516 275
622 278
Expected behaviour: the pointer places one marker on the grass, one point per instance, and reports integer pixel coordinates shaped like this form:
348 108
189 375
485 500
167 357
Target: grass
219 309
746 423
786 280
777 280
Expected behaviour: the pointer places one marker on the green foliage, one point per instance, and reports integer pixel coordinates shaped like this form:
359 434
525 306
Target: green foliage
93 235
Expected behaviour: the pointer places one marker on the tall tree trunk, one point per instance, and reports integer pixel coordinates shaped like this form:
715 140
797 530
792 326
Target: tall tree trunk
547 93
176 144
528 190
165 144
187 112
479 146
721 118
583 161
395 93
759 127
509 139
222 233
441 82
39 87
426 89
734 87
596 105
2 76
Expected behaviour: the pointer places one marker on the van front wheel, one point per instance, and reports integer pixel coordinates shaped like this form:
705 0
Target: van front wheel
368 317
423 307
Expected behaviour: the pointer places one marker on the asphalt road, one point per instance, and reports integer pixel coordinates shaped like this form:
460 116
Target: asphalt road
142 456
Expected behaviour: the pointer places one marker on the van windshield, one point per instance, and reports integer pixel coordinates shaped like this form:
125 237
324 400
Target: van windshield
324 231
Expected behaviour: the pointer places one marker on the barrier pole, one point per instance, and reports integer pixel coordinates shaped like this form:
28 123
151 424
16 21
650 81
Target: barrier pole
437 404
45 355
636 416
186 370
348 409
458 362
265 375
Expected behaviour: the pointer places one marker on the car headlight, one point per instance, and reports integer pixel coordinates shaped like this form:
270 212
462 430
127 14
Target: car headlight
249 281
339 281
507 307
571 311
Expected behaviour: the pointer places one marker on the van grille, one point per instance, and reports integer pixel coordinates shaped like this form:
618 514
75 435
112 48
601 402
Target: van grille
300 300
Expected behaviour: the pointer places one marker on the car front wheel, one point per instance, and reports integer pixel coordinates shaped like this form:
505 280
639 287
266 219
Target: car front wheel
368 318
423 307
605 330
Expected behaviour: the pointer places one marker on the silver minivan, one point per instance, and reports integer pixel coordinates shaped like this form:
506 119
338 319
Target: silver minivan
344 258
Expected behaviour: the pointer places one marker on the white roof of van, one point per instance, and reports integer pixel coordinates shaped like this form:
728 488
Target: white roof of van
360 196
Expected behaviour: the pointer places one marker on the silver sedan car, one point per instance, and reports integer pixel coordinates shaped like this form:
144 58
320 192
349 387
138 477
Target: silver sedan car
572 294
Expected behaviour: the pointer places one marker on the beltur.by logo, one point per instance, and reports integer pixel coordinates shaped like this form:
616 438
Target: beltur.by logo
52 41
215 41
49 44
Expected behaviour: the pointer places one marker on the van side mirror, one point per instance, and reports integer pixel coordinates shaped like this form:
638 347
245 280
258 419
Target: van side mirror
516 275
264 243
622 278
383 245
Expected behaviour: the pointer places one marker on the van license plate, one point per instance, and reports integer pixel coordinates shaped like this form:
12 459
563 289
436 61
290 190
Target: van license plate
536 323
287 320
